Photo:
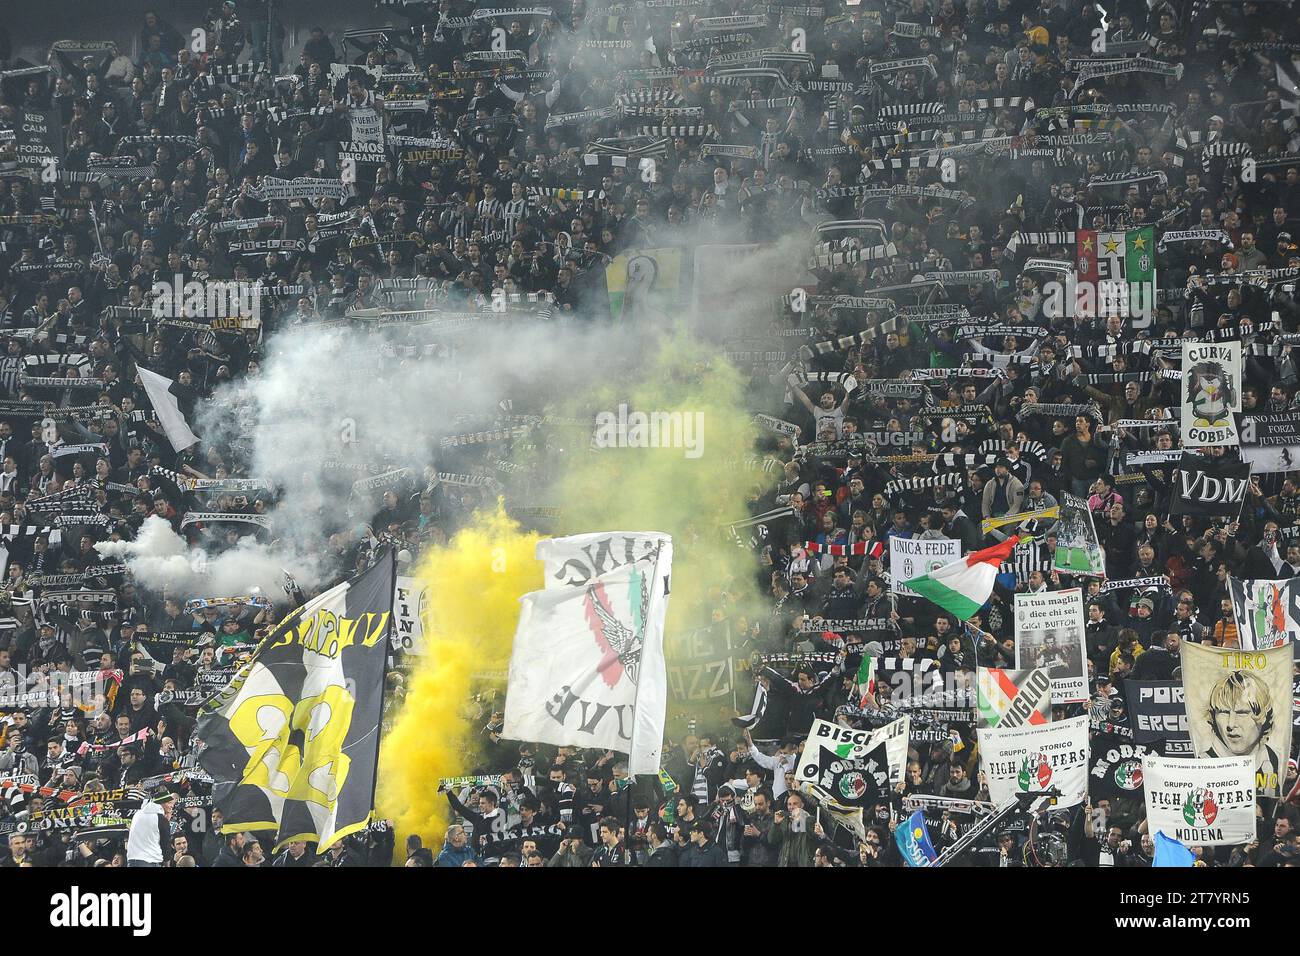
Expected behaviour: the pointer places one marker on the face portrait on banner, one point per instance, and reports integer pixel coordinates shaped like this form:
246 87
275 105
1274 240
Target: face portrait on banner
1239 705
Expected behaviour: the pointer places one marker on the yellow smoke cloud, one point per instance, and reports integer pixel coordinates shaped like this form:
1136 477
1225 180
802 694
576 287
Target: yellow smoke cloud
475 609
474 583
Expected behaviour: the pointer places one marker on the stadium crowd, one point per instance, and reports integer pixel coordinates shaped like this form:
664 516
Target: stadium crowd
489 189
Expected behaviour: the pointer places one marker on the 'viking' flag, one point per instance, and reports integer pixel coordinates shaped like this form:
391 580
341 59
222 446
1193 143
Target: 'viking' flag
913 839
963 586
293 741
1116 272
163 399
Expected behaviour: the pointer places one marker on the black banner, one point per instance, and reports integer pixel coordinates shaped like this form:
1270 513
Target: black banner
1158 712
1207 487
39 138
1115 766
1261 430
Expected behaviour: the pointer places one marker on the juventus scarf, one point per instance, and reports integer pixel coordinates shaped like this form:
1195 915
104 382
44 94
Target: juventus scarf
219 517
1059 410
302 187
1178 236
902 485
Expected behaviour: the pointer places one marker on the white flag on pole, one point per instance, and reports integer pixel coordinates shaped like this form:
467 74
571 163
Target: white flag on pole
587 668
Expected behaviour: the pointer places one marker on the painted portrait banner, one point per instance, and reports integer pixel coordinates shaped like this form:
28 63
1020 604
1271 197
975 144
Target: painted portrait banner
1239 705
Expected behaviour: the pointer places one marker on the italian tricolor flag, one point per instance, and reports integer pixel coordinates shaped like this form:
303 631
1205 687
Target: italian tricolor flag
963 587
865 683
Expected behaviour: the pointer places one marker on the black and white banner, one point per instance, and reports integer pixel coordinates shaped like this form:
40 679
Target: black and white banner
1211 393
1205 802
1209 487
1157 712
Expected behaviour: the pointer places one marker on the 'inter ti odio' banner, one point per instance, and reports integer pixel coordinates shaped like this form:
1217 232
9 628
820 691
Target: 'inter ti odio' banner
912 557
1034 758
1204 802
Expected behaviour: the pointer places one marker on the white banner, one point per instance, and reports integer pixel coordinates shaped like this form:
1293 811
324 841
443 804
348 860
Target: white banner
1239 705
1034 758
572 561
410 610
367 125
587 669
1211 392
849 744
1050 633
912 557
1200 802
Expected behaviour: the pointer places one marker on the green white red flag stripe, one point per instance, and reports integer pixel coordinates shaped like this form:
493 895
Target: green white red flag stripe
963 586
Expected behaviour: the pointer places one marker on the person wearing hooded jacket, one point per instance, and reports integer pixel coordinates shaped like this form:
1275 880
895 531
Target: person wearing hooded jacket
455 847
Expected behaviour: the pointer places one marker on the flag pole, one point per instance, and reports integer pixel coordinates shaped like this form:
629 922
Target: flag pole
383 684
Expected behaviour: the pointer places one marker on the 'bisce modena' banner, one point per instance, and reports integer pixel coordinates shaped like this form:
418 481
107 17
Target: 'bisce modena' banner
1205 802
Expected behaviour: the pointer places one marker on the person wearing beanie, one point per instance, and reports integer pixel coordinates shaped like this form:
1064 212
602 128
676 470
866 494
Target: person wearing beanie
149 841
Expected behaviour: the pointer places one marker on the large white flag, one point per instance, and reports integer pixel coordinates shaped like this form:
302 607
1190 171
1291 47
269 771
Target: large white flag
1205 801
167 408
576 559
588 668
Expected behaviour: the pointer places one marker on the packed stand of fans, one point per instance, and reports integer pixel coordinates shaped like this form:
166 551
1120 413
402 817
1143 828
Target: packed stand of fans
486 200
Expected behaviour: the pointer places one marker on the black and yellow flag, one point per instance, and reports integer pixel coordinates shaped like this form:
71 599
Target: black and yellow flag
292 743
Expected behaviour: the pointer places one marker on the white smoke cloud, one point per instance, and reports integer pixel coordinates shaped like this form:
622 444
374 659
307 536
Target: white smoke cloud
161 560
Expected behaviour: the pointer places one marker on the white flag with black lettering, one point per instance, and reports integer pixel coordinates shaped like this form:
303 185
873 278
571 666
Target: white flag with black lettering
587 669
1206 801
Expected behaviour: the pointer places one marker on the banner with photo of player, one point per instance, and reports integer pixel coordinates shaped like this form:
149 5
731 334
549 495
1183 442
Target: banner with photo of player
1239 705
1077 549
912 557
1211 393
1013 698
1205 802
1033 758
1050 633
1267 612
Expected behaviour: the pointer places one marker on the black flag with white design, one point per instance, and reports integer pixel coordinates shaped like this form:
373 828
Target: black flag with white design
292 743
1209 487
